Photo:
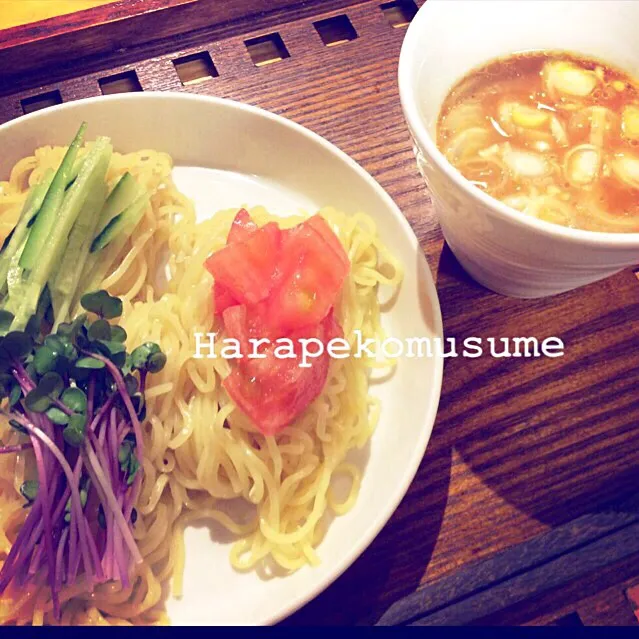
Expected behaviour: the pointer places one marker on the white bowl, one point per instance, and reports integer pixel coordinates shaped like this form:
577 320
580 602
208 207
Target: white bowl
228 154
504 250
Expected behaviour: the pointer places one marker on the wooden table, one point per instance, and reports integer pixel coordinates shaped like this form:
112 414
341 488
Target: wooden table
523 509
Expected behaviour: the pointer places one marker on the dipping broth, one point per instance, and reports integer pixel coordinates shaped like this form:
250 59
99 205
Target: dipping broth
553 135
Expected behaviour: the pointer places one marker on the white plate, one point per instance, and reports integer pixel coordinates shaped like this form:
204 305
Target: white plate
227 154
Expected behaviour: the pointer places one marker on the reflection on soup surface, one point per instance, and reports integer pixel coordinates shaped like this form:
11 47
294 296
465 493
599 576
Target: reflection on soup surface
553 135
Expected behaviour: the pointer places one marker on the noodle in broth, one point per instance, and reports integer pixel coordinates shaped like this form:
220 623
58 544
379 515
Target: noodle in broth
552 135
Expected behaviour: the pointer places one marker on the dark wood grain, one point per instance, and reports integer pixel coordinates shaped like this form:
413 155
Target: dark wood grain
520 446
558 557
598 599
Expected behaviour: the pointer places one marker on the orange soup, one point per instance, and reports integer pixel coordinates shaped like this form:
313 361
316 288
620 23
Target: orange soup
552 135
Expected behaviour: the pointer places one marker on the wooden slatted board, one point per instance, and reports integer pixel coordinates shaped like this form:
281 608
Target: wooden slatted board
533 463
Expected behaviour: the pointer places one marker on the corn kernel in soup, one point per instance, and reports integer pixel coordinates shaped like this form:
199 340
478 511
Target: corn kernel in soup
553 135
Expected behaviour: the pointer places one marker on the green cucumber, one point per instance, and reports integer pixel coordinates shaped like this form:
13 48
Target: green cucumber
125 221
46 219
65 281
73 174
98 263
124 193
19 234
95 270
14 273
24 304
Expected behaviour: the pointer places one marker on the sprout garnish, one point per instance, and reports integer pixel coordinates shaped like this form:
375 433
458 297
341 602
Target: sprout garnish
76 397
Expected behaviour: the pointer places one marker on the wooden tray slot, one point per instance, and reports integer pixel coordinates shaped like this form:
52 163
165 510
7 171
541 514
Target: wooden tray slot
41 101
267 49
126 82
400 12
195 68
336 30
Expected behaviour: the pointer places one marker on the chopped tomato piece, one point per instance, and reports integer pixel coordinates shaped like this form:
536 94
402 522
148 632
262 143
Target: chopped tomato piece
311 274
272 390
272 284
222 298
244 324
236 327
242 228
246 269
319 224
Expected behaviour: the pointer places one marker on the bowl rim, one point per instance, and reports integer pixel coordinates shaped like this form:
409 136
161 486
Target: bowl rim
427 284
409 55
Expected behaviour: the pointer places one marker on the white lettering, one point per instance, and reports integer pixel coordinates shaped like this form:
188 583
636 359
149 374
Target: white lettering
306 353
365 346
473 343
341 344
231 349
420 342
552 343
390 348
200 344
441 349
493 351
392 341
256 343
285 348
526 342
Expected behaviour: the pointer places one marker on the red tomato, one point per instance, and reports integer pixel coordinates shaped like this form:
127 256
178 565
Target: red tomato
222 298
242 228
271 284
312 269
243 324
319 224
235 326
273 391
246 269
